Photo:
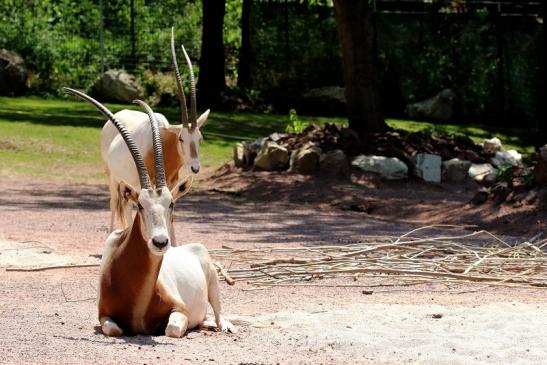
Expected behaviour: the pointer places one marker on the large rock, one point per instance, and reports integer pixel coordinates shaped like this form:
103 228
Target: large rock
483 172
390 168
325 100
440 107
428 167
334 163
455 169
305 160
117 86
244 153
13 73
510 157
272 157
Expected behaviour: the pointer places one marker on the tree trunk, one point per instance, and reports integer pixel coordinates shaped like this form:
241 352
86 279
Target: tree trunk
211 80
355 24
541 138
244 67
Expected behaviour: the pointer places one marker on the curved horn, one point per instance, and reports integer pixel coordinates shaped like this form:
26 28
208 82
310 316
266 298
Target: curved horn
180 89
156 138
137 157
193 111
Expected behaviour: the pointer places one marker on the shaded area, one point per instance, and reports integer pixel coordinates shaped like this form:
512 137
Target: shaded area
369 198
81 114
46 196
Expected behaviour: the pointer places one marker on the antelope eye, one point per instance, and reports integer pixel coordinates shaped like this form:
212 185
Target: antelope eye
172 205
180 139
140 206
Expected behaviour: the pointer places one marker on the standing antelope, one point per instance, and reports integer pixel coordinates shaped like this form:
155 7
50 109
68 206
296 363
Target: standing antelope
180 144
145 285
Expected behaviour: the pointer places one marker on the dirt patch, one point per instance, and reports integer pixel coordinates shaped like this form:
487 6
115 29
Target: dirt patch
6 145
25 256
409 201
51 316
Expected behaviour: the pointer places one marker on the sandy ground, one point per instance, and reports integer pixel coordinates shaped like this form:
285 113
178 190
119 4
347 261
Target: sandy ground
49 317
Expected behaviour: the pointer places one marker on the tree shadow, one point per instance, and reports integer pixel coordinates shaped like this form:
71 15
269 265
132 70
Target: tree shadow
55 118
221 125
40 197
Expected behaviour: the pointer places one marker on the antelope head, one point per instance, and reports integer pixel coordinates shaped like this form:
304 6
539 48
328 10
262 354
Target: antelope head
190 136
155 203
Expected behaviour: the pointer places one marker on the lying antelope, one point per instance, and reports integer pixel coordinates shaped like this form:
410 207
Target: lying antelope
180 144
145 285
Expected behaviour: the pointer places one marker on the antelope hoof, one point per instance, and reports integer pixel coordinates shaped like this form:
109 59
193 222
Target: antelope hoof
226 326
173 330
177 325
110 328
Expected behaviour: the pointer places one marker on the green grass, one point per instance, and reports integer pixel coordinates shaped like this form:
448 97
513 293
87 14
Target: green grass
61 138
518 139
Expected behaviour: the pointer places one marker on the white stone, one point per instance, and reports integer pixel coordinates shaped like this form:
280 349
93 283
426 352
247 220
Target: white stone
492 145
277 136
390 168
482 172
239 154
455 169
510 157
428 167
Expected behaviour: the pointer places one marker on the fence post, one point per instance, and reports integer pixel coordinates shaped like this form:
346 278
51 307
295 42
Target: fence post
495 12
101 35
133 40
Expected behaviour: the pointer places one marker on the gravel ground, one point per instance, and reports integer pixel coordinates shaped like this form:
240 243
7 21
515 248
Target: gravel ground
49 317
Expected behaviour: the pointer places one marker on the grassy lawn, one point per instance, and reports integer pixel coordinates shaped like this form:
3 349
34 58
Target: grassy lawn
60 138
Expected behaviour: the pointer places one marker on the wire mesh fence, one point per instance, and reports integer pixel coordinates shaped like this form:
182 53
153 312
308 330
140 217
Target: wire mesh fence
487 52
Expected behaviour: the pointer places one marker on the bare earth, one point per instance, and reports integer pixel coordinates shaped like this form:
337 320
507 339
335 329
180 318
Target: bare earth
49 317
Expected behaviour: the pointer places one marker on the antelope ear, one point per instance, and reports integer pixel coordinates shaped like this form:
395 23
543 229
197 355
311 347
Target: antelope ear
182 187
128 192
203 118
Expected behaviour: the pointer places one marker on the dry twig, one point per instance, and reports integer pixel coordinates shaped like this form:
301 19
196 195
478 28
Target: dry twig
477 257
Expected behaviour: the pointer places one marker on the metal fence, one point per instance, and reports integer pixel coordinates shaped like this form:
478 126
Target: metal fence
488 52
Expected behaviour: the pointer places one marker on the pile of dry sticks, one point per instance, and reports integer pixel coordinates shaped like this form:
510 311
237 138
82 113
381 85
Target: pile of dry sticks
478 257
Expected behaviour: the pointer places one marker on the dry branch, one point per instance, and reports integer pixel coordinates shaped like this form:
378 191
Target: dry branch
394 260
224 273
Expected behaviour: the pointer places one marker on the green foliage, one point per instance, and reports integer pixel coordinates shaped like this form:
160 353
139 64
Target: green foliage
60 39
529 177
504 172
423 54
426 54
294 48
512 138
296 125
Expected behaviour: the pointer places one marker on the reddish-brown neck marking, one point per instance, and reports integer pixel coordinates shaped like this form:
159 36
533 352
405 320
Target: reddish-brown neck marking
130 293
